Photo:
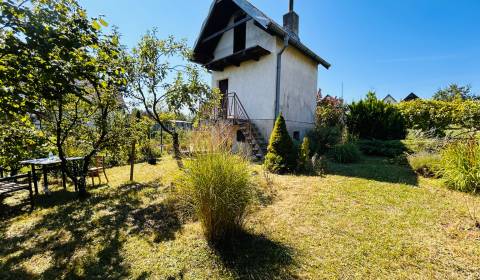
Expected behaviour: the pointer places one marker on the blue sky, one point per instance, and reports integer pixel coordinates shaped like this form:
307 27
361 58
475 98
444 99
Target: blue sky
390 46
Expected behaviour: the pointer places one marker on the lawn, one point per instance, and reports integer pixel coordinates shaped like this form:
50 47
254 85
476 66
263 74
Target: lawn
366 220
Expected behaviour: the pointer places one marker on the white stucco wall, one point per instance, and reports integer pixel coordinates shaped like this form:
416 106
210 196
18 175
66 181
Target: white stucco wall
255 82
255 37
298 90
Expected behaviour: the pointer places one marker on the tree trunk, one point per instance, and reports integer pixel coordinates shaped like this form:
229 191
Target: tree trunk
82 182
82 186
176 146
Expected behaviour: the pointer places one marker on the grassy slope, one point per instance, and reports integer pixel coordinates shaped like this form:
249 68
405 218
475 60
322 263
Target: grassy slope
369 220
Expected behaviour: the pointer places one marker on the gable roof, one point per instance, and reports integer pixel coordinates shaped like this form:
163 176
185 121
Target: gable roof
218 18
389 96
411 96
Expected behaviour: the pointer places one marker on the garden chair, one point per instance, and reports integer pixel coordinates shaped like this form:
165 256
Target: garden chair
99 168
12 184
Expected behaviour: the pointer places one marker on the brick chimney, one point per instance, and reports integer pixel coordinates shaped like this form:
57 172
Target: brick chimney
291 21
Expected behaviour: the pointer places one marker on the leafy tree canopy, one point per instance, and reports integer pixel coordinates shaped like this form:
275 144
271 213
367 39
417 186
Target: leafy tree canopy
455 92
162 87
58 64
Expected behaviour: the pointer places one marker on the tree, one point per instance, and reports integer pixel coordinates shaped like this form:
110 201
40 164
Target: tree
371 118
304 160
281 155
64 69
20 140
455 92
159 86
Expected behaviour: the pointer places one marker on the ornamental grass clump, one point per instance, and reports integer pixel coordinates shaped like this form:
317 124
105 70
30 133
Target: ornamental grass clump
461 166
219 189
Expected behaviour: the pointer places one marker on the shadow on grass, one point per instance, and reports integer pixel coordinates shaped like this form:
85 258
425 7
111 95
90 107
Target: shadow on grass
250 256
83 238
378 169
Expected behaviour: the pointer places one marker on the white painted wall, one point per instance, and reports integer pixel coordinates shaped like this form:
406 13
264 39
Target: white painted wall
255 82
298 90
255 37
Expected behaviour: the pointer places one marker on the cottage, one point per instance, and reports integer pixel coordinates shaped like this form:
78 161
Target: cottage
262 69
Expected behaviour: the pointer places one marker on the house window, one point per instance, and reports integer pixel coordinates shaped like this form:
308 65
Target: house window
240 136
239 34
296 135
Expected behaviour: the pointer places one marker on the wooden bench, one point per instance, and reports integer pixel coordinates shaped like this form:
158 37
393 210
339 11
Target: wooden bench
10 185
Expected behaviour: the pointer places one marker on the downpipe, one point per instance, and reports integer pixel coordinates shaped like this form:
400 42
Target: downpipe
278 79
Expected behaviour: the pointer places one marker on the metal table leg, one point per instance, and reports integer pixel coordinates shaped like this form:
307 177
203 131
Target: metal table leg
45 180
35 179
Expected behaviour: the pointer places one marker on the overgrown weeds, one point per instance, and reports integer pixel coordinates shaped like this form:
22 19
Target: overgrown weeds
426 164
461 166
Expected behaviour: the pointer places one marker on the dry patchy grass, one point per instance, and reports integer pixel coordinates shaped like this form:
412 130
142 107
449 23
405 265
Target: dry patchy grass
363 221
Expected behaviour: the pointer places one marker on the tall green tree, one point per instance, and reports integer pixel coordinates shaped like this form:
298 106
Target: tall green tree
159 85
59 65
371 118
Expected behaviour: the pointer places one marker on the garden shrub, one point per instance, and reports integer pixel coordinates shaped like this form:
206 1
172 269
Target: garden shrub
218 186
461 166
438 116
392 148
281 154
425 164
329 124
304 160
373 119
345 153
324 138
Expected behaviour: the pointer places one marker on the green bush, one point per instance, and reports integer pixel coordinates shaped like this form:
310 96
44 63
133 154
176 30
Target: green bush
425 164
461 166
438 116
373 119
392 148
218 186
324 138
281 154
345 153
304 160
329 124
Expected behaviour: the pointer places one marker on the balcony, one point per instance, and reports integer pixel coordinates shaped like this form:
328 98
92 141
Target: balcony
253 53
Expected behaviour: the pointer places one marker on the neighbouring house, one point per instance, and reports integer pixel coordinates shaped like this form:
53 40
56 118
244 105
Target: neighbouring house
262 68
390 100
411 96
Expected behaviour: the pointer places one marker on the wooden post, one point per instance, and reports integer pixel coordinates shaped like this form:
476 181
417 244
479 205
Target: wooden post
132 160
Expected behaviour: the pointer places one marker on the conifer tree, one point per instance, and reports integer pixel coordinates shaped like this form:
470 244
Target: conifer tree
304 162
281 154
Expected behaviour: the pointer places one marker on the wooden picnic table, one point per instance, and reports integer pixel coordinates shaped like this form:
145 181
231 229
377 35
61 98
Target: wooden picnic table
45 164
